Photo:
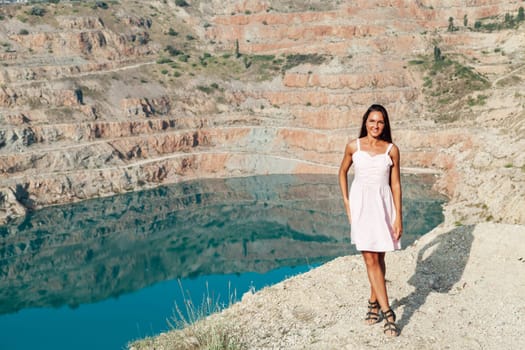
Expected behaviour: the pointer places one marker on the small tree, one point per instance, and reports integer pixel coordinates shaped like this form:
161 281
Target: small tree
465 21
237 52
79 95
521 15
437 54
451 27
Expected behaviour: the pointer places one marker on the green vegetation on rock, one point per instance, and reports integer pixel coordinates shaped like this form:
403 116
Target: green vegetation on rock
509 21
450 85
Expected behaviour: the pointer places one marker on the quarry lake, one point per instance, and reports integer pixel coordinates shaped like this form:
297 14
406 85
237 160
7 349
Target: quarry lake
100 273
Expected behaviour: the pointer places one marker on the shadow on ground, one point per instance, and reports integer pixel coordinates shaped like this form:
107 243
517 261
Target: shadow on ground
440 265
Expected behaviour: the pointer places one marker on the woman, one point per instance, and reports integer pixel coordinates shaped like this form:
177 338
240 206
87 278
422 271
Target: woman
374 206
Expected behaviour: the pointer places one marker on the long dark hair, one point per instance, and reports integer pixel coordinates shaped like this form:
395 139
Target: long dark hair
386 135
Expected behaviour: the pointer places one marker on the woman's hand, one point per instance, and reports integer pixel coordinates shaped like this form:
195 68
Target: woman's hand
398 229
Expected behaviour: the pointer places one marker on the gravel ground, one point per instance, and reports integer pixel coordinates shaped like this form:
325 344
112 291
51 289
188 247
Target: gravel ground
456 288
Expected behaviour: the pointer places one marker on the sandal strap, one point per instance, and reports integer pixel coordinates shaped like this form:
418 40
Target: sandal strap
372 316
391 327
374 312
373 305
389 313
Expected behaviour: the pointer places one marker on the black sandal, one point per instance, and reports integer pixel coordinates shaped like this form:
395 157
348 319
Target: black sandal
390 328
371 316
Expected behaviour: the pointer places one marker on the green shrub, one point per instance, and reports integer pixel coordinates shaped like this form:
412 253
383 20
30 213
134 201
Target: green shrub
509 19
247 62
142 38
480 100
172 32
162 60
37 11
298 59
509 22
101 4
23 32
205 89
181 3
173 51
263 58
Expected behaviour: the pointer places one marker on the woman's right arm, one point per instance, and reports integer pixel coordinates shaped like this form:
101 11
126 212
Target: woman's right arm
343 178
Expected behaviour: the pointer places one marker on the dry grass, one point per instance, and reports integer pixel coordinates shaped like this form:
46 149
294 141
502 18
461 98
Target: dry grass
194 328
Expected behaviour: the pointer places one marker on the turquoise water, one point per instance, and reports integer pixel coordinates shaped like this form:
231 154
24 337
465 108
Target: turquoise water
98 274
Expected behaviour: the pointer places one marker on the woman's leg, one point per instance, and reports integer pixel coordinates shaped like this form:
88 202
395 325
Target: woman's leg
381 258
382 263
376 269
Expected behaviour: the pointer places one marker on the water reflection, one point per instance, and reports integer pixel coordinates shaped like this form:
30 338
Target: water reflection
97 249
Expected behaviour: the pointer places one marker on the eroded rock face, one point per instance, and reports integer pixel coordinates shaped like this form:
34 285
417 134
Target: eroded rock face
98 105
10 207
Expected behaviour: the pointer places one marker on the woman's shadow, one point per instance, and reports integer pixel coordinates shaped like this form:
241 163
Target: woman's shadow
440 265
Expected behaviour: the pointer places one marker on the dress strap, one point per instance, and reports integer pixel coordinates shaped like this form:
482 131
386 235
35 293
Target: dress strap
389 148
358 145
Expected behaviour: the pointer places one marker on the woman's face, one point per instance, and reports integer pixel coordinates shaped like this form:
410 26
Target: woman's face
375 124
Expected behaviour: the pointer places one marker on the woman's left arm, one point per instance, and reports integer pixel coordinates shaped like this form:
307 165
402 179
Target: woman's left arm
395 184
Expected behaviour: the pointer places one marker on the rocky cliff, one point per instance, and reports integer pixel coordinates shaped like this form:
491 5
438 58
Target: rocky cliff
95 101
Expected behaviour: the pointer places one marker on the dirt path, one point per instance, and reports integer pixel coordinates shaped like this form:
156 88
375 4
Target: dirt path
83 74
496 81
